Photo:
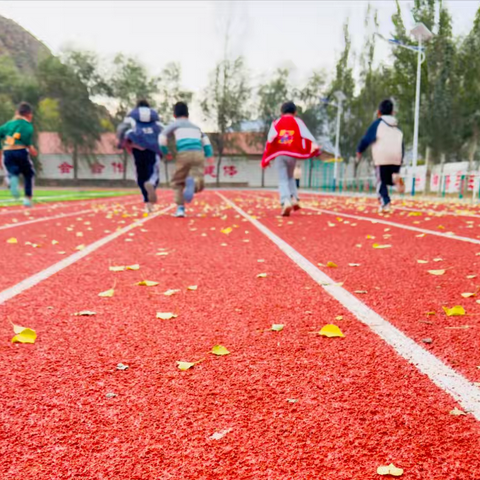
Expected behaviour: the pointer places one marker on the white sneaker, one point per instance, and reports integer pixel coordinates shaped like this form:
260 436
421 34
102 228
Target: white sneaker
286 209
385 208
148 207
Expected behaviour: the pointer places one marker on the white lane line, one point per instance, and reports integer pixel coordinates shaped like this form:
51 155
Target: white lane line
456 385
60 216
29 282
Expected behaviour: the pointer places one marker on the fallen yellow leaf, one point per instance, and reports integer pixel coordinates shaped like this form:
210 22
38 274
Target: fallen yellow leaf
340 317
192 288
166 315
331 331
227 230
457 412
470 277
414 214
219 350
23 335
376 245
133 267
332 265
12 240
116 269
421 235
437 272
85 313
80 247
468 294
422 261
171 292
456 311
354 264
262 275
107 293
277 327
55 242
390 470
185 365
147 283
162 254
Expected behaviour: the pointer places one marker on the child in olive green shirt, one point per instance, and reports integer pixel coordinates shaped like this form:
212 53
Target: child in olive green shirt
16 137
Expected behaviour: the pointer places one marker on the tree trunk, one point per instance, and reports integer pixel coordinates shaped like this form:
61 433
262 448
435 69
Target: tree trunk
219 163
75 162
473 149
263 178
427 171
125 160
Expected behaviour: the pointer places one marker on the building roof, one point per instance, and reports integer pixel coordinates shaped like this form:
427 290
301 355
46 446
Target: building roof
49 143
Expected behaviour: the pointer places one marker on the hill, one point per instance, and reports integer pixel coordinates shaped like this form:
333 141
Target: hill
21 46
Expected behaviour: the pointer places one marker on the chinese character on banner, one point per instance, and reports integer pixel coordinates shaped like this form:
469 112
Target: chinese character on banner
117 167
96 168
65 168
230 170
210 170
435 180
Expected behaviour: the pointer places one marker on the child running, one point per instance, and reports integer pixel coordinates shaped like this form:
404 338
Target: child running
138 134
388 150
288 140
16 137
193 146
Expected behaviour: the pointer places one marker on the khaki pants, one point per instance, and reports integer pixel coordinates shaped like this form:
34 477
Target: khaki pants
191 164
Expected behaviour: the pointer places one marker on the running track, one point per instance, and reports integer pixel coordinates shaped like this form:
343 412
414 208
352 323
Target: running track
357 402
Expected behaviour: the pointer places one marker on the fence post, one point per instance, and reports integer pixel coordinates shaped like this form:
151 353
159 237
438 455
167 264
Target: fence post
462 181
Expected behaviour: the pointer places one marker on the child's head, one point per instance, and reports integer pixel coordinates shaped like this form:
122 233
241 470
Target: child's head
143 103
289 108
25 110
385 108
180 109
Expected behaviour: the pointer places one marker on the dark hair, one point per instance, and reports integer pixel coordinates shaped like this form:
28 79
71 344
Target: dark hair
180 109
24 108
143 103
386 107
289 107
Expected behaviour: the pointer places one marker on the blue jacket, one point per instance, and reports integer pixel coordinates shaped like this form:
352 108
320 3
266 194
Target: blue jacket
141 128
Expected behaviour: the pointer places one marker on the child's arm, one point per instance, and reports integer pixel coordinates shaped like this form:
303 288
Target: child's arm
207 147
163 137
369 138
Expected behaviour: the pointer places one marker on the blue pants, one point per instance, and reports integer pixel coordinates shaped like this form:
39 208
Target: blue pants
384 179
147 164
18 162
286 183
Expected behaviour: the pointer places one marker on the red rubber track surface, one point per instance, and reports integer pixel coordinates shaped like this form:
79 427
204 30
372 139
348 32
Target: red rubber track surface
359 405
398 287
21 260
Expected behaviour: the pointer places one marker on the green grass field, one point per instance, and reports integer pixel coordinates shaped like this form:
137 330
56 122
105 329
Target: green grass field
45 196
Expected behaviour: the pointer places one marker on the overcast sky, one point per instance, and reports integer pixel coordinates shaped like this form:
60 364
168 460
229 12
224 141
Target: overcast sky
302 34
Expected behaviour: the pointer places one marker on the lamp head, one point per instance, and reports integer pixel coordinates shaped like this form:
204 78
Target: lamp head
421 33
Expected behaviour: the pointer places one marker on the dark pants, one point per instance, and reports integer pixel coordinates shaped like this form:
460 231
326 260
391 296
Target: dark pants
384 179
18 162
147 164
297 181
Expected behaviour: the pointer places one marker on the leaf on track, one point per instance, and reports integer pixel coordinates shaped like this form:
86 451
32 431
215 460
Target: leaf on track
183 366
117 269
354 264
219 350
107 293
331 331
147 283
12 240
171 292
262 275
192 288
277 327
390 470
456 311
332 265
468 294
227 230
80 247
133 267
23 335
437 272
166 315
377 245
85 313
457 412
422 261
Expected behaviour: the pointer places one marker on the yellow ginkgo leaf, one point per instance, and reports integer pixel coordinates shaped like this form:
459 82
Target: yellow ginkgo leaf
438 259
390 470
12 240
421 235
171 292
354 264
55 242
117 269
339 317
370 237
133 267
107 293
23 335
470 277
80 247
456 311
437 272
414 214
192 288
219 350
468 294
166 315
147 283
377 245
332 265
457 412
331 331
277 327
227 230
185 365
85 313
422 261
262 275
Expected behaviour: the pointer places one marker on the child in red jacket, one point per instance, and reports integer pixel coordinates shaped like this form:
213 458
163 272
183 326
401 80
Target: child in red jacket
288 140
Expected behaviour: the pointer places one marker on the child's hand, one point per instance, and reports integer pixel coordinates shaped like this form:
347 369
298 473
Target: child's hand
33 151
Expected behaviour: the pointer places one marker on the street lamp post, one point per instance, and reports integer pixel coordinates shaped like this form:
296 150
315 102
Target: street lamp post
422 34
341 97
